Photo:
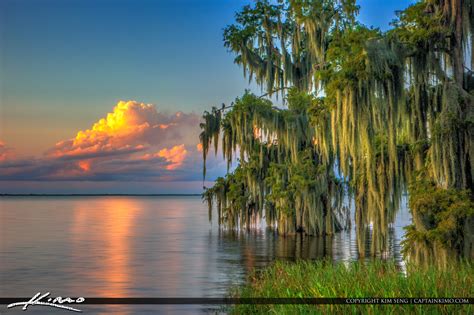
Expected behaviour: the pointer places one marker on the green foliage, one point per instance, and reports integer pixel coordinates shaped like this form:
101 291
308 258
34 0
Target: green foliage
299 102
419 27
356 280
280 169
373 108
348 57
439 217
281 44
210 133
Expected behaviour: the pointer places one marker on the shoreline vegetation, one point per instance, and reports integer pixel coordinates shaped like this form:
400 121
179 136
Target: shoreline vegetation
367 117
374 279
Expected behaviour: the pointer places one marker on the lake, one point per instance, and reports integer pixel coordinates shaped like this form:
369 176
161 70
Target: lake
142 246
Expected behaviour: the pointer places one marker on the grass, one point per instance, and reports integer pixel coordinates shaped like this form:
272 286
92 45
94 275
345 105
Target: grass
356 280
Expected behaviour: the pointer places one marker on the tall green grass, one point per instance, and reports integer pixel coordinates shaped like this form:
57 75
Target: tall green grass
356 280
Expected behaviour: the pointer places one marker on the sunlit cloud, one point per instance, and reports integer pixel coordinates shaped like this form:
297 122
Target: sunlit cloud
175 156
85 165
130 127
134 142
5 152
199 147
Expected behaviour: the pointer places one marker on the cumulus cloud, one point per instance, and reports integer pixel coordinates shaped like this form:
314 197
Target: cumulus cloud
6 153
175 156
133 142
130 127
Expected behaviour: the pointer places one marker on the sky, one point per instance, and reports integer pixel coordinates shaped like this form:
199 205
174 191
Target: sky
105 96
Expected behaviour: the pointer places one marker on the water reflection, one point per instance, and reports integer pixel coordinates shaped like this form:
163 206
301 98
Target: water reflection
259 247
146 247
108 243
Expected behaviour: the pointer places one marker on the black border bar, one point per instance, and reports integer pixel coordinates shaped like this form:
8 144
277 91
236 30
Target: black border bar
229 301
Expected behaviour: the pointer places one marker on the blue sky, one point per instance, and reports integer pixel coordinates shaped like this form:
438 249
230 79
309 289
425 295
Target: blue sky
64 64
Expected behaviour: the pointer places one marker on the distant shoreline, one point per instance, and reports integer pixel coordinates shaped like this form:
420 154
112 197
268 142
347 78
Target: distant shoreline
97 195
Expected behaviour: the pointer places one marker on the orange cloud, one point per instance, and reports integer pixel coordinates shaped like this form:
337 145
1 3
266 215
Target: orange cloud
117 132
175 156
129 128
127 118
5 152
84 165
165 126
134 142
165 141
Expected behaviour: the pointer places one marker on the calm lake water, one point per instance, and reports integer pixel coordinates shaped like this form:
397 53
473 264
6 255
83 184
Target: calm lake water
155 246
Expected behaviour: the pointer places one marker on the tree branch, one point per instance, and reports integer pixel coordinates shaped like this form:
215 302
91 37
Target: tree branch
274 91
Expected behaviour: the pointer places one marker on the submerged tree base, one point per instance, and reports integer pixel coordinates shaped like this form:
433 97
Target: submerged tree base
357 280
